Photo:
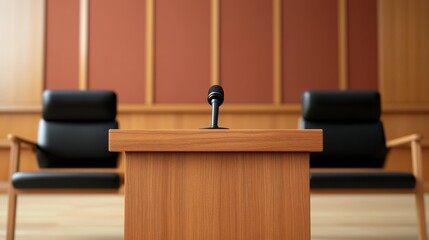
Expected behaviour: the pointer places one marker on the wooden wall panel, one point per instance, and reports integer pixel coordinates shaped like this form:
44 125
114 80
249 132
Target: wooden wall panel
362 44
117 48
246 50
182 51
396 125
21 51
404 51
62 44
310 47
22 124
4 170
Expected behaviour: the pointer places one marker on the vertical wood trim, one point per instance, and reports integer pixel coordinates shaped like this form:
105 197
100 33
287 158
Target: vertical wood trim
15 151
342 40
277 54
380 49
416 152
83 44
385 11
150 49
45 44
384 31
13 167
215 27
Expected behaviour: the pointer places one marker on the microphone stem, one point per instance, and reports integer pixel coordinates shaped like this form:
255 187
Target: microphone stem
215 113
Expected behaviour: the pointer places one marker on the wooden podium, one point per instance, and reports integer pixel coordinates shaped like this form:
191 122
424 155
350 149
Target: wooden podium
216 184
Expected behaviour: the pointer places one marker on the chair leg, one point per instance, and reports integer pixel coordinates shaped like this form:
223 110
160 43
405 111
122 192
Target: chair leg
11 216
421 215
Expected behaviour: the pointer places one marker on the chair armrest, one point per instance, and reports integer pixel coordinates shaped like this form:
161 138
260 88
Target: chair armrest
19 140
403 140
15 153
416 156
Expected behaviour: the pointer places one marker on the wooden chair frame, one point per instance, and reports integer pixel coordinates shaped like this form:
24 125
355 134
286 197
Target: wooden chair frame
15 152
417 163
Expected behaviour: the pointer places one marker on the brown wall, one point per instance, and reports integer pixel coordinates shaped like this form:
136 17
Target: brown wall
62 46
246 51
182 45
182 51
310 47
116 48
362 44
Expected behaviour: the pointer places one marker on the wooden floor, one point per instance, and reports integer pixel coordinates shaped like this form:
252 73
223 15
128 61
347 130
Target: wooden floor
89 217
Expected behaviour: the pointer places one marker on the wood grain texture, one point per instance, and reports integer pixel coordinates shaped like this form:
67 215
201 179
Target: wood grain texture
398 122
253 140
99 217
217 196
288 109
21 50
403 51
343 78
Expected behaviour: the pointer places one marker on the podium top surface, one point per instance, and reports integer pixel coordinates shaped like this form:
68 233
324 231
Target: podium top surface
207 140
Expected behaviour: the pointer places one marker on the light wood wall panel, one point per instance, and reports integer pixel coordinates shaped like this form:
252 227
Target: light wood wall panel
21 51
396 123
117 48
246 50
404 51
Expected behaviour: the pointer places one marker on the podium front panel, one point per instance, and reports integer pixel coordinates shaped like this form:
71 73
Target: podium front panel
217 196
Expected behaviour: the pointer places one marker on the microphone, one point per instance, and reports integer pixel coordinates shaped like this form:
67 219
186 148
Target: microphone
215 98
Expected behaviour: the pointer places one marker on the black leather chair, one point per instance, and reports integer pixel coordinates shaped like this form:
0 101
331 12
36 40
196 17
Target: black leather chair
355 147
71 149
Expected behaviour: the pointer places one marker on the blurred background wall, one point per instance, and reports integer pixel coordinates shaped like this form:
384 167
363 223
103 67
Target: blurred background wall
161 56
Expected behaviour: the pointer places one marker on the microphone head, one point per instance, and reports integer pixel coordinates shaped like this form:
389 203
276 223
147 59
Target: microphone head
215 92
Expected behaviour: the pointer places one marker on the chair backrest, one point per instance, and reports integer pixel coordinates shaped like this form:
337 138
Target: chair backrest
74 130
353 134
